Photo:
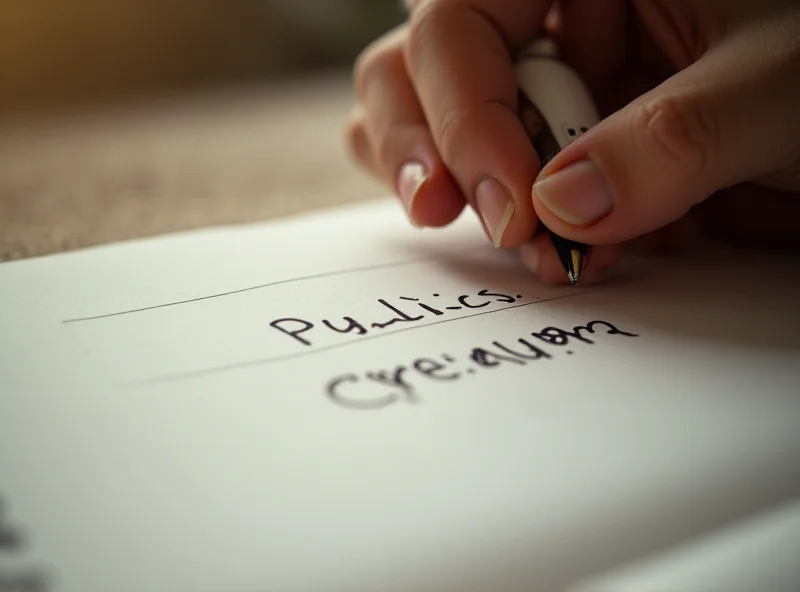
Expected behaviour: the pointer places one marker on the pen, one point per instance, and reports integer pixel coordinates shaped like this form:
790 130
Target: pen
555 109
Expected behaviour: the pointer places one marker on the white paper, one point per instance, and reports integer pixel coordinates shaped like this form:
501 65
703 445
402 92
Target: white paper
758 553
192 446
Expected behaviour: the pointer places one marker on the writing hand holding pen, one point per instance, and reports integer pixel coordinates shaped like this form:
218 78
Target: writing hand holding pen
699 130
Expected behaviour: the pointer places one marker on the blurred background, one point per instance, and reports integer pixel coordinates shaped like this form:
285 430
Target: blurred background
122 119
57 54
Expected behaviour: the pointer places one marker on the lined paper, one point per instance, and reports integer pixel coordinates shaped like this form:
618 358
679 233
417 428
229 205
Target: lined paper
340 402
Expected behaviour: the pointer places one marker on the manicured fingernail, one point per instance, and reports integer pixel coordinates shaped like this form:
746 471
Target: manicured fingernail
495 207
577 194
530 257
410 180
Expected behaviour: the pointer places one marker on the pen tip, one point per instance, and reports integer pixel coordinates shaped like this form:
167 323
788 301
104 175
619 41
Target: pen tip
576 263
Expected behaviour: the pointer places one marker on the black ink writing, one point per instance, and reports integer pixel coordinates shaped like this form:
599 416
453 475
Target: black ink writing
352 325
348 390
392 378
499 297
431 368
465 304
556 336
339 391
533 352
489 359
405 310
400 318
295 333
423 306
401 383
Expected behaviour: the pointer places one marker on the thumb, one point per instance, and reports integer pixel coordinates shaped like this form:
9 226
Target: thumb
727 118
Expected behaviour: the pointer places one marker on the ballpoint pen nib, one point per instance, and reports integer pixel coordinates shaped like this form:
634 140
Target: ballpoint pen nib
576 262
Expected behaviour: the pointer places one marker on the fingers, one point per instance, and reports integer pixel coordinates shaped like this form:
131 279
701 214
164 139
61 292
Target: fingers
358 145
591 36
388 134
459 57
729 117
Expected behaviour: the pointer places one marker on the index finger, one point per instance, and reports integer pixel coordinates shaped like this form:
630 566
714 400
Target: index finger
460 57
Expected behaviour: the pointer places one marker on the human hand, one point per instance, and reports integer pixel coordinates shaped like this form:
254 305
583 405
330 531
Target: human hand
699 99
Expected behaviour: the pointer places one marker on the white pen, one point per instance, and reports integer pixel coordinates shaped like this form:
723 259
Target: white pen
556 109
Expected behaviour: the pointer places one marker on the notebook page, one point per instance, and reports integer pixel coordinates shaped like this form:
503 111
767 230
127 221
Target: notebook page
340 402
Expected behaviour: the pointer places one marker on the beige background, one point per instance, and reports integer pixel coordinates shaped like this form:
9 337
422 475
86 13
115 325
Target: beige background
57 53
227 119
89 179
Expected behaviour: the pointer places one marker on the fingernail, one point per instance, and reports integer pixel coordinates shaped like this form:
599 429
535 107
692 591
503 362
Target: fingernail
410 180
529 253
495 207
577 194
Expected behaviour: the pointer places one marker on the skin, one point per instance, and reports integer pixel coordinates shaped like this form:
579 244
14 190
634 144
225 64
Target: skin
700 102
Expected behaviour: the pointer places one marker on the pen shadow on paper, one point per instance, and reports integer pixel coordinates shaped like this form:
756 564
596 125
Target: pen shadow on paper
714 295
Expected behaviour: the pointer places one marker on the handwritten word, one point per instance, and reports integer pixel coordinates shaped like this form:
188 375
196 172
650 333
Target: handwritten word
299 329
11 541
358 391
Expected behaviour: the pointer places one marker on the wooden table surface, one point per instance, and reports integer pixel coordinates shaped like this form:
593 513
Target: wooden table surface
235 157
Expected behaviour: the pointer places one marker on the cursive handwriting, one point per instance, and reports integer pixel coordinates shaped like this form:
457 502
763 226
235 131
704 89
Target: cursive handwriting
378 389
405 309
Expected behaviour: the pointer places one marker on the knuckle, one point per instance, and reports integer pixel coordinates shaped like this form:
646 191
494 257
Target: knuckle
355 135
376 61
461 126
425 26
452 131
367 62
358 144
385 150
681 129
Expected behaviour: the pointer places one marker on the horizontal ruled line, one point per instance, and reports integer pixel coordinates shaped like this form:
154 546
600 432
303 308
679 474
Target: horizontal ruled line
301 354
248 289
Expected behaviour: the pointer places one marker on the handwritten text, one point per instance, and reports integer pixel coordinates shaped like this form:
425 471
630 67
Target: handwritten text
403 310
378 389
